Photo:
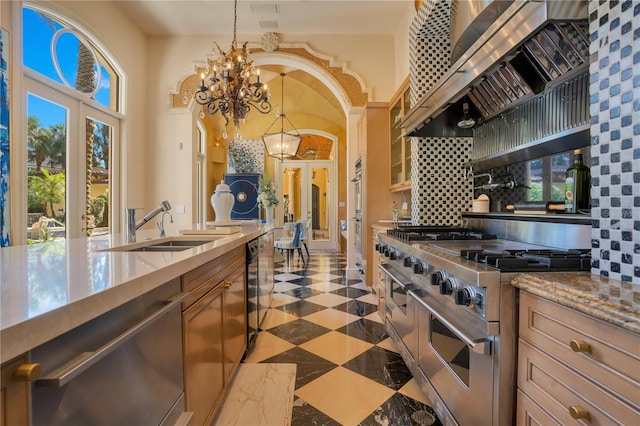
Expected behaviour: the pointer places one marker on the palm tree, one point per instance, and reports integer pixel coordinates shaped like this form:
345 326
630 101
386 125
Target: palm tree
49 189
46 144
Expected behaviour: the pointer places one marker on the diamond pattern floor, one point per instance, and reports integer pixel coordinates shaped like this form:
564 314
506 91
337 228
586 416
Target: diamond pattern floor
348 370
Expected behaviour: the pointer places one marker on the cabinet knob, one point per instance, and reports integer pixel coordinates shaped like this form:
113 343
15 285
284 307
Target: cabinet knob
578 345
28 372
226 284
578 412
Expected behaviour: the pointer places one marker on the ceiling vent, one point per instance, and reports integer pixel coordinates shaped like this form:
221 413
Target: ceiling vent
265 9
268 25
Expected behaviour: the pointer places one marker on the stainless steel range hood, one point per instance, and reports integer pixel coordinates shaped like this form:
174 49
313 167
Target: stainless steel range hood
530 44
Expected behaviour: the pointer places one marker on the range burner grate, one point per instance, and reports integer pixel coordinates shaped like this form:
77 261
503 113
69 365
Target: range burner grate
532 260
437 233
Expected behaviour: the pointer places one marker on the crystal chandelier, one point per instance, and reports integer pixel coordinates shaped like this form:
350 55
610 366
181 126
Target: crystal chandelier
282 145
227 88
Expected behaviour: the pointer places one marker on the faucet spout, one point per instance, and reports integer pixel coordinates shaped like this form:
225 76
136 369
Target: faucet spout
133 226
163 207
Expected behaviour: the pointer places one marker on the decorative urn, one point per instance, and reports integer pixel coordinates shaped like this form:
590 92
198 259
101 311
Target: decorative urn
222 202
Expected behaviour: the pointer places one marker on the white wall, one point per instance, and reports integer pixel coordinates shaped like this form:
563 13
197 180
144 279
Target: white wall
401 46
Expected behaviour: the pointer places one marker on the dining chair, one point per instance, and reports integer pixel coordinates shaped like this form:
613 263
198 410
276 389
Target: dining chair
303 236
292 244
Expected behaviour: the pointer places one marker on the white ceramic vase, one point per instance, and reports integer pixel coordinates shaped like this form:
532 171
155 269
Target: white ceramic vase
269 214
222 202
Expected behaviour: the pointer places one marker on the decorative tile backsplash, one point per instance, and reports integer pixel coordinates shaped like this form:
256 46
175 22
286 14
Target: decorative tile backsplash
615 138
439 192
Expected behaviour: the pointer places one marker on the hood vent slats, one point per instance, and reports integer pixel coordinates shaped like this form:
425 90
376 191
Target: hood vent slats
557 49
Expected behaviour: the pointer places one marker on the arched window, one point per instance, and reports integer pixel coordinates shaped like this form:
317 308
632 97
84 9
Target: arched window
73 122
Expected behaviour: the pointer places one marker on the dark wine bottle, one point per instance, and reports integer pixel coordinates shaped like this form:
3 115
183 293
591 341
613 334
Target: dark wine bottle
577 186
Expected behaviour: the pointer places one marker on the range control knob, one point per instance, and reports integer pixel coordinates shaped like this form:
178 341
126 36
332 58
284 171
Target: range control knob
387 252
463 297
378 246
408 262
437 278
393 255
447 286
418 268
381 248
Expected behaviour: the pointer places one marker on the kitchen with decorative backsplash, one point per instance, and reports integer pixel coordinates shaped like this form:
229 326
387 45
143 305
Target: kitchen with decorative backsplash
475 281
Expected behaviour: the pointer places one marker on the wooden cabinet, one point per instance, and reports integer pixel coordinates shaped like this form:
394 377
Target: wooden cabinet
373 128
214 331
14 394
399 146
573 368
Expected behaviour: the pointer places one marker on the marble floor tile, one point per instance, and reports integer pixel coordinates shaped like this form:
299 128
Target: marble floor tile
381 365
332 318
352 292
300 308
327 299
356 307
402 410
279 299
299 331
336 347
302 292
306 414
345 396
266 346
389 345
412 389
349 371
326 286
260 395
310 366
275 317
282 286
370 331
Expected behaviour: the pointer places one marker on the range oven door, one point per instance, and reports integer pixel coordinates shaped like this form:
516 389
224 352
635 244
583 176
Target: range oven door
455 355
400 309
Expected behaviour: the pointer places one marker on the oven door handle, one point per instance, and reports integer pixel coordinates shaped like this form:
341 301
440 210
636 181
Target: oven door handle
478 344
386 269
82 362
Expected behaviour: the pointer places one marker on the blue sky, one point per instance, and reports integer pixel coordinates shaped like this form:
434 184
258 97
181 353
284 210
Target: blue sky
37 38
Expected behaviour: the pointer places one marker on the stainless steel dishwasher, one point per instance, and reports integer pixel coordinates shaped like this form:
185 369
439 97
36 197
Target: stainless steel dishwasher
122 368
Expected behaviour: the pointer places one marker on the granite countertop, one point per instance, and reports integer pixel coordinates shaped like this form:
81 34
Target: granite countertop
615 302
48 289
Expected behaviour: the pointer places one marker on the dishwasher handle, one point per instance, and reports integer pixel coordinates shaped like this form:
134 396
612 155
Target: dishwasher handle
82 362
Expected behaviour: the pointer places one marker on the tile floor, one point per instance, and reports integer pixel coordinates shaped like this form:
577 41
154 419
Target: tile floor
348 370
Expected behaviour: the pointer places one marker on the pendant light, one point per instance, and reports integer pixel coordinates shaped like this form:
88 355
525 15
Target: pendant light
282 144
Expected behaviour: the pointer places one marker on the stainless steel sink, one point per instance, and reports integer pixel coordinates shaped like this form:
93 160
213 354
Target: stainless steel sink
171 244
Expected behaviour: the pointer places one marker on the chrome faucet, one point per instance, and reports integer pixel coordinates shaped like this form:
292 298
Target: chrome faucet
133 226
160 223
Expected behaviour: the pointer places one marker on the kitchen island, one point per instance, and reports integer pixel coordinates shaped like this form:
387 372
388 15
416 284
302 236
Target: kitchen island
53 290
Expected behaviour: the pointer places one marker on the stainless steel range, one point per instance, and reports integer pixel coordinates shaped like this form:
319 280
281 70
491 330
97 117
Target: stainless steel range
453 312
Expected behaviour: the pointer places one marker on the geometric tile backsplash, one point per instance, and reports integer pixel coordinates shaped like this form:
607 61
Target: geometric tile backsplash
438 191
615 138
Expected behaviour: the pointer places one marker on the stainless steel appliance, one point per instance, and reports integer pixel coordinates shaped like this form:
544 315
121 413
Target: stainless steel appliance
357 218
122 368
453 313
260 283
253 297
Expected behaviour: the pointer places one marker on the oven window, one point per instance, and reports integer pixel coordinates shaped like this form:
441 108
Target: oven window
399 297
450 349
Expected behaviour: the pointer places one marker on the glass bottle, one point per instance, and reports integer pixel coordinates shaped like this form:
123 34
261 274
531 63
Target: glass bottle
577 186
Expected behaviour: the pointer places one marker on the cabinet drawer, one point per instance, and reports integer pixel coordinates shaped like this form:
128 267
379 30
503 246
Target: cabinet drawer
530 414
557 388
205 277
611 355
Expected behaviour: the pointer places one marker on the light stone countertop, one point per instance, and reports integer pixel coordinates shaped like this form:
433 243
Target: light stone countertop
615 302
48 289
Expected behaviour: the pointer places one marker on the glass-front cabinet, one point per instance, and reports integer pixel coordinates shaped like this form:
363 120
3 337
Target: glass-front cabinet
400 147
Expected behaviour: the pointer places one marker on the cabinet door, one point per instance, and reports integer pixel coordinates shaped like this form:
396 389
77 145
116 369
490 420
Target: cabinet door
14 400
203 356
235 320
400 147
